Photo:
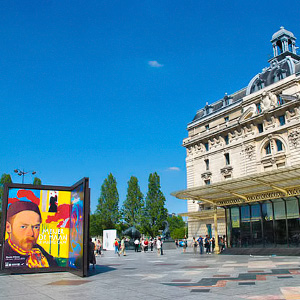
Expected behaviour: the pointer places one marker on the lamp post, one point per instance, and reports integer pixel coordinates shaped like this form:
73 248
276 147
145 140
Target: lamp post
23 173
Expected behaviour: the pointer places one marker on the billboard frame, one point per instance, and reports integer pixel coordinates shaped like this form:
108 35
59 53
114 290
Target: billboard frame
86 211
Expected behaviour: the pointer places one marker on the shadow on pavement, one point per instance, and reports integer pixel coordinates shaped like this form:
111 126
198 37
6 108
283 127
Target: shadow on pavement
99 269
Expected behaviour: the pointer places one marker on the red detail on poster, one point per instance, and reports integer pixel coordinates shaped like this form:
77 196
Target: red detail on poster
29 195
62 216
12 200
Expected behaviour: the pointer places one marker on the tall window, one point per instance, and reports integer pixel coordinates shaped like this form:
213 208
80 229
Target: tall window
280 222
268 148
258 108
290 45
226 119
227 159
207 127
260 128
293 221
267 218
226 138
245 226
206 164
279 47
206 146
279 145
256 231
281 120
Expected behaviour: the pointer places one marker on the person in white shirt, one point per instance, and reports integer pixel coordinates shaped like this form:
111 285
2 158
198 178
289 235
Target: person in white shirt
158 245
136 245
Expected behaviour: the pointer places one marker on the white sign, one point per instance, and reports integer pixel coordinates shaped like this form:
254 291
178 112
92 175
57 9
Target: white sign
109 237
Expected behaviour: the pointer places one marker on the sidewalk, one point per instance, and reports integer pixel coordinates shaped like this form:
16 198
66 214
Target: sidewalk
172 276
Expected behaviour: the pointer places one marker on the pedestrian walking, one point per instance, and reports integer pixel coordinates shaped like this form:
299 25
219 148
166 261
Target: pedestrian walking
184 244
200 242
136 245
213 244
123 250
207 244
116 247
158 245
92 258
98 247
151 242
194 245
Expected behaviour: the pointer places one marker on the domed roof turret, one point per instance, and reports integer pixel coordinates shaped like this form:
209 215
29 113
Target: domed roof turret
281 32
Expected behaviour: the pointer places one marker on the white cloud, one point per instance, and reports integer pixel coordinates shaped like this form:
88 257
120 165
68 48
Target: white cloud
154 64
174 169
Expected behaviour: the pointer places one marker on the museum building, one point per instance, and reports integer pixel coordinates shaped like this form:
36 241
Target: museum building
243 160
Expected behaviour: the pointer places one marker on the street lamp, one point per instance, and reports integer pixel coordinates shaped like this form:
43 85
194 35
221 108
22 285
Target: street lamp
23 173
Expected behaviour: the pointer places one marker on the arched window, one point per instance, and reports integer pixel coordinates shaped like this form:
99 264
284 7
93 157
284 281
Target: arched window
279 47
290 46
272 147
268 148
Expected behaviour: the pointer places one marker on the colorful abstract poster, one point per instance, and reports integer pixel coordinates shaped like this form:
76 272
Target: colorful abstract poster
45 229
76 228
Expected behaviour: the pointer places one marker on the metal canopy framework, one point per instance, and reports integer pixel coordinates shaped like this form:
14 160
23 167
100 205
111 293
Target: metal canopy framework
204 214
259 187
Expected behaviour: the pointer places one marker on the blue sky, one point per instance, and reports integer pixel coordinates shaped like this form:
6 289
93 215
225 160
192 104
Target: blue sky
93 87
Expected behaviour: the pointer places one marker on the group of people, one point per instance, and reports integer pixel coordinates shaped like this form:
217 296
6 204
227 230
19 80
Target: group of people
208 244
205 244
143 245
120 246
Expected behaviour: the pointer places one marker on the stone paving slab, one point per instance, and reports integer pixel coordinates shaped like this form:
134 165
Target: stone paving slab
172 276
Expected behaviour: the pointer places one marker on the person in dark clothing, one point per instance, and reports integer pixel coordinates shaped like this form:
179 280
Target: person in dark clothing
92 257
207 244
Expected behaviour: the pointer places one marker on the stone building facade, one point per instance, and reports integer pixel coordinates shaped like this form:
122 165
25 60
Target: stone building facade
253 130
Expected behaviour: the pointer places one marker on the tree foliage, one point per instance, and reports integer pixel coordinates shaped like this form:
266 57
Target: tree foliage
95 225
132 210
177 227
107 209
37 181
155 211
5 178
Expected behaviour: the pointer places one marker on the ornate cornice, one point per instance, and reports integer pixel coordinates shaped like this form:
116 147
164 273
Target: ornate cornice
226 170
206 175
294 137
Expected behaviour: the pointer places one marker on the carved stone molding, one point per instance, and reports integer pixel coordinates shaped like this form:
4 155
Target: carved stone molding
206 175
272 160
294 137
268 101
249 151
226 170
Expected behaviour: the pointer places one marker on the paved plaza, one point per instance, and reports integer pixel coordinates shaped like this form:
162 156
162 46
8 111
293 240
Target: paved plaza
174 275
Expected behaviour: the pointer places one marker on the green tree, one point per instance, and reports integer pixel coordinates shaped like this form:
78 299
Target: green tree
107 208
5 178
178 233
37 181
177 227
155 211
132 209
95 225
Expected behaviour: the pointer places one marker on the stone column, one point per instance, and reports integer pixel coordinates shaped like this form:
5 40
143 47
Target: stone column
217 250
274 50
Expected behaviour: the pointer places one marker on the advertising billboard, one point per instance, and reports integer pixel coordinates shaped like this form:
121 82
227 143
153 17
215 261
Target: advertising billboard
45 228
